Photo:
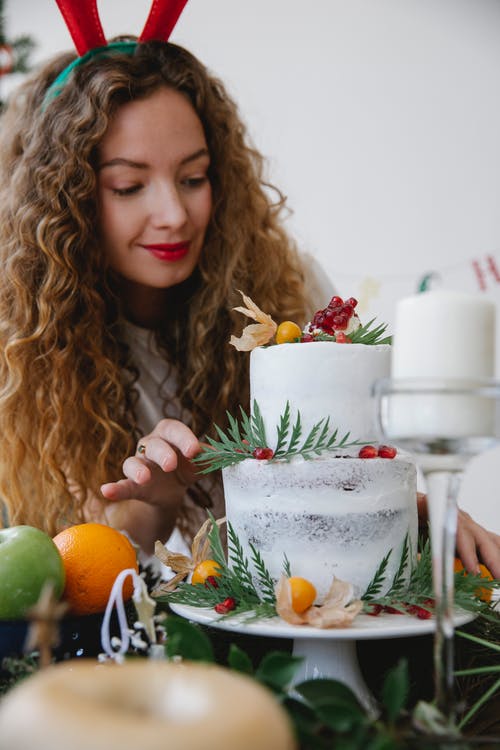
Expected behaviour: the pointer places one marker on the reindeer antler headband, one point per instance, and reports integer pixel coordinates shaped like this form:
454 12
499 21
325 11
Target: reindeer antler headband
84 25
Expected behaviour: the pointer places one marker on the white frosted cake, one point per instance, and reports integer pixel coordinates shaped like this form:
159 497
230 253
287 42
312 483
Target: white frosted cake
336 514
320 379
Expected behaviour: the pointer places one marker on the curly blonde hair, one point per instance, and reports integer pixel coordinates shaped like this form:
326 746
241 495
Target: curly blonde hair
67 381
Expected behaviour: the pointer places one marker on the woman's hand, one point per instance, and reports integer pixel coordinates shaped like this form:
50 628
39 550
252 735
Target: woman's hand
160 470
146 503
475 544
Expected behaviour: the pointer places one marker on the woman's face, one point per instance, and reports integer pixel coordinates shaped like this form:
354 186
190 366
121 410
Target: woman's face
154 196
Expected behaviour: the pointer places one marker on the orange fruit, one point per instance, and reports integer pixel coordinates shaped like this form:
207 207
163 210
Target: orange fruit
93 555
483 593
303 593
287 332
204 569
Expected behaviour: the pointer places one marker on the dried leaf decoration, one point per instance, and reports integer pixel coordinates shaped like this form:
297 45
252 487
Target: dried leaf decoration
337 611
181 564
255 334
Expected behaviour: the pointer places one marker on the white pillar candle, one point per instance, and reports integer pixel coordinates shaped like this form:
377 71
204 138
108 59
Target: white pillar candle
446 335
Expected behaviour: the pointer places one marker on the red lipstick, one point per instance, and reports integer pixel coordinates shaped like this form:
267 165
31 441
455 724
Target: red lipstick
169 252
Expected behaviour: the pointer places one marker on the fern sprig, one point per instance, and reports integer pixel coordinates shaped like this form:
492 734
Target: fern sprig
294 438
283 430
314 445
287 570
258 428
375 585
239 564
243 436
399 580
263 576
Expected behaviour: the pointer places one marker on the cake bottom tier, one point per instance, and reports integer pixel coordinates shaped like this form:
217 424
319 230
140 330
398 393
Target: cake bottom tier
330 516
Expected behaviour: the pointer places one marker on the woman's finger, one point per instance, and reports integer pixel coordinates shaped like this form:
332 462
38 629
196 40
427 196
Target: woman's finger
475 544
123 489
156 450
179 436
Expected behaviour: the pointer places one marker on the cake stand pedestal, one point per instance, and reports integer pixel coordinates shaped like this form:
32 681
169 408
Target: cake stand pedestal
326 653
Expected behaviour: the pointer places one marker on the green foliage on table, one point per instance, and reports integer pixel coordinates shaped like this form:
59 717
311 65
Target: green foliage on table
326 713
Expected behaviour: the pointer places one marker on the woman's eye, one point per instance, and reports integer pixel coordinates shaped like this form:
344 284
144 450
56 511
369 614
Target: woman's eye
194 182
127 191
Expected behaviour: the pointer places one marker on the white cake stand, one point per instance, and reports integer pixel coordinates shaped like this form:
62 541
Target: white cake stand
326 653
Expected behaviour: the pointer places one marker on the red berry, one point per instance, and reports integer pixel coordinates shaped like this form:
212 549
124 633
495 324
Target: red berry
376 609
306 338
335 316
368 451
226 606
420 612
211 581
341 338
386 451
392 610
263 453
335 301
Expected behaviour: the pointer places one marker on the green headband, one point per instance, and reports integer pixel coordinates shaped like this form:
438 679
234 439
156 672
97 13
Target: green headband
55 88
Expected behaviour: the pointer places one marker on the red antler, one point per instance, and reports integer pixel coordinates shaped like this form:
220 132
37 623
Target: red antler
162 19
82 19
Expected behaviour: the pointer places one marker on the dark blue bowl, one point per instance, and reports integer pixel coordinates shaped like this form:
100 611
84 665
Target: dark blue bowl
79 637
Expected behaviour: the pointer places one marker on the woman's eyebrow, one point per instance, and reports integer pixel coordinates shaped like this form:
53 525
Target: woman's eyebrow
120 161
197 155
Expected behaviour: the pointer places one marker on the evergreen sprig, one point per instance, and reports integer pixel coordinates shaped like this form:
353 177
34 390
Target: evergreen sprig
399 579
240 563
363 335
375 585
234 579
243 436
415 587
263 576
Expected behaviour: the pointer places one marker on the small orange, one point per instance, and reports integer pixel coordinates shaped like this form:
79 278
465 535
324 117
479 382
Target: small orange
482 592
303 593
205 569
93 555
287 332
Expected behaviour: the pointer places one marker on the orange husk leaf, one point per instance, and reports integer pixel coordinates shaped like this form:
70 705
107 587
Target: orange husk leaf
255 334
182 565
337 611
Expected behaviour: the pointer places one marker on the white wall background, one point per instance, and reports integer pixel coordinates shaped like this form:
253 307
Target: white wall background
381 123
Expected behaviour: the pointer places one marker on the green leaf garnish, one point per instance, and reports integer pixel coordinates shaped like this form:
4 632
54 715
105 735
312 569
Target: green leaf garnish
243 436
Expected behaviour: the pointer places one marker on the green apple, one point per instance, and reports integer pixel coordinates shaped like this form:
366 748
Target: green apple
28 558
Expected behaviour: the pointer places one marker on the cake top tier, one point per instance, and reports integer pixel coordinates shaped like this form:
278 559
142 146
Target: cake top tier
321 380
324 371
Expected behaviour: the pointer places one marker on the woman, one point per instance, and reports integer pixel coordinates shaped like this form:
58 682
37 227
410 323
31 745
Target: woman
131 210
80 285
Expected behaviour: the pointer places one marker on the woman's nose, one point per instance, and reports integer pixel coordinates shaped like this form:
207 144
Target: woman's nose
168 209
